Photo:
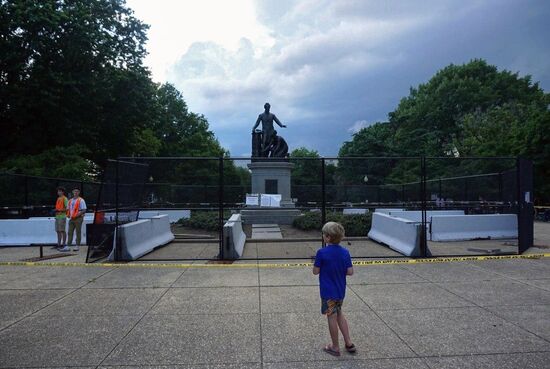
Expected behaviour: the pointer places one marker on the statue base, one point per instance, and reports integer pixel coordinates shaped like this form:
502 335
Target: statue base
271 176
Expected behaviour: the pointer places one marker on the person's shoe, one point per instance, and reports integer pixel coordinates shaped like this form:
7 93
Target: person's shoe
65 249
76 248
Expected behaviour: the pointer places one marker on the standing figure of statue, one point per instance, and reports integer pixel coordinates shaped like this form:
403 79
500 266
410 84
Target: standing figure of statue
268 132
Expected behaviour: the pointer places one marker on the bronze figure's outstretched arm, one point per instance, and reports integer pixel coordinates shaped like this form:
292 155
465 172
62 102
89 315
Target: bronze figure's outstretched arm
277 121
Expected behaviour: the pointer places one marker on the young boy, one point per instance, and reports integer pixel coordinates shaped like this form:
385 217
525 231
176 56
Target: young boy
333 264
61 217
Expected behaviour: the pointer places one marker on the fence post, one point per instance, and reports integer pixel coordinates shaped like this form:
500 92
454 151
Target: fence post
220 206
26 191
82 189
117 243
423 233
323 194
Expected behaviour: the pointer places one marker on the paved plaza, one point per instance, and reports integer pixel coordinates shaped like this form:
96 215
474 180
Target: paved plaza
474 314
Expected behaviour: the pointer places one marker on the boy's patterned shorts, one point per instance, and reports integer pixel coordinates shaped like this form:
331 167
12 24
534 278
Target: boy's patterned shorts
329 306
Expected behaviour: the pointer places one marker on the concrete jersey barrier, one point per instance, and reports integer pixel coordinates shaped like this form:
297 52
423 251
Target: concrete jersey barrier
234 238
143 236
173 215
401 235
416 215
471 227
386 210
34 231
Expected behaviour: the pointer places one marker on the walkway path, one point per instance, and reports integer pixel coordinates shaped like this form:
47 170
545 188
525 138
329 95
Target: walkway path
484 314
266 231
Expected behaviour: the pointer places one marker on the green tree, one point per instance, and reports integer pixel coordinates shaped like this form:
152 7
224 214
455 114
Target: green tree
427 121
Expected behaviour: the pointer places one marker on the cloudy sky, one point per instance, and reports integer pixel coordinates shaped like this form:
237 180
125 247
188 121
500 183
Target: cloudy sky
330 67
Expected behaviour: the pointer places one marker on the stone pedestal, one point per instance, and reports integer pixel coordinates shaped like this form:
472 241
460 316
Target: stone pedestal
271 177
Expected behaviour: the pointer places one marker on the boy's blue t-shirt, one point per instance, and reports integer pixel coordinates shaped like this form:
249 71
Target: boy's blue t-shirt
334 261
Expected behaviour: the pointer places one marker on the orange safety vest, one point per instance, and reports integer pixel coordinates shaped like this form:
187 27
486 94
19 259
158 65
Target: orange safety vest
60 205
76 207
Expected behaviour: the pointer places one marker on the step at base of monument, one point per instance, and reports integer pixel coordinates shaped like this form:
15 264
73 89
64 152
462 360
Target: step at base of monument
270 216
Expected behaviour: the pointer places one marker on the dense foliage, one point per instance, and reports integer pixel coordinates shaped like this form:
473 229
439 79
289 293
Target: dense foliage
354 224
464 110
74 91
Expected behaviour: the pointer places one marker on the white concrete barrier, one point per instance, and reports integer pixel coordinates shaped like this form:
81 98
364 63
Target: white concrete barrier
143 236
34 231
416 215
233 238
401 235
471 227
386 211
173 215
354 211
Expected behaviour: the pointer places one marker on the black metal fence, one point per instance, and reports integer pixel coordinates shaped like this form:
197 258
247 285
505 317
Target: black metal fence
25 196
348 190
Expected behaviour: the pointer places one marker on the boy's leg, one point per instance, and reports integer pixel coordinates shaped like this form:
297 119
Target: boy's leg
59 239
64 237
343 325
333 329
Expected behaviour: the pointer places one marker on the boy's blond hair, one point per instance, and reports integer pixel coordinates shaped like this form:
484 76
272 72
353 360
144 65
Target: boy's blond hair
334 231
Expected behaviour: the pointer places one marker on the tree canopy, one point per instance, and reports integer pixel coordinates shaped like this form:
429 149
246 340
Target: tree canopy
72 76
464 110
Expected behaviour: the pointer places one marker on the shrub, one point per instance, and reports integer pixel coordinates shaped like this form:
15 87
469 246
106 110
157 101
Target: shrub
354 224
207 220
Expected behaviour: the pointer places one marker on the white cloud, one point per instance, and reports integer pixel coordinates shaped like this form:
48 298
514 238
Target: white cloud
323 64
358 125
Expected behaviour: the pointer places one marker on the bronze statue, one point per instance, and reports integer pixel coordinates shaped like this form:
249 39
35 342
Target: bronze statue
270 145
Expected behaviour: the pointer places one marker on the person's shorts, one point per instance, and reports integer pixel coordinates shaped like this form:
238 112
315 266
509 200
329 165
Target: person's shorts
60 224
329 306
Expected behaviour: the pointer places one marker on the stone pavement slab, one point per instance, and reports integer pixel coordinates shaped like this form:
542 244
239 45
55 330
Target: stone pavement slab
134 277
288 277
452 272
383 274
298 299
517 268
407 296
219 277
460 331
102 302
190 339
209 300
345 363
62 341
499 293
539 283
17 304
534 318
53 278
197 366
301 337
536 360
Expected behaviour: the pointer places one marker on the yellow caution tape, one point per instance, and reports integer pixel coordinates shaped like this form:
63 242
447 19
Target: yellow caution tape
274 265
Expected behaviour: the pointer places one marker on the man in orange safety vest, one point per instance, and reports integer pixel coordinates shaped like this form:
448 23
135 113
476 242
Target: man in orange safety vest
61 218
77 209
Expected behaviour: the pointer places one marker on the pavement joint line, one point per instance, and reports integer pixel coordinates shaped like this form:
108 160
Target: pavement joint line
74 289
486 308
139 320
383 321
276 265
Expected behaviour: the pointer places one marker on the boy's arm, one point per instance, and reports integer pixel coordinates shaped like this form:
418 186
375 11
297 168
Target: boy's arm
317 264
349 270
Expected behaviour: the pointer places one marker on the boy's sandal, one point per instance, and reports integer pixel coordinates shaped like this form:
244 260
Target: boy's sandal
351 349
331 351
